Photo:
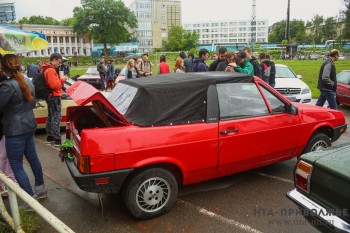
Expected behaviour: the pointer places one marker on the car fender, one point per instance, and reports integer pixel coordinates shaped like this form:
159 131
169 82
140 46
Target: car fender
161 162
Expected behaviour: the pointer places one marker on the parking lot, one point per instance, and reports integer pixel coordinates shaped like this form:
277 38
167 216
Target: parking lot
252 201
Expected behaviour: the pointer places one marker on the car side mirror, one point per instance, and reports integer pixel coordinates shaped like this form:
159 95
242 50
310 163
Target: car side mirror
293 110
299 76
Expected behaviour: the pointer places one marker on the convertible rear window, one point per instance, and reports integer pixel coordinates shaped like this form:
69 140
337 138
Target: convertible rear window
122 96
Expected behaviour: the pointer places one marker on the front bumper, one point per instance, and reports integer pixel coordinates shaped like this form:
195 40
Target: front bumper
88 182
317 214
338 131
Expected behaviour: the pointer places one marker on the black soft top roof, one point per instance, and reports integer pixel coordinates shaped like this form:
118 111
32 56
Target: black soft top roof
175 98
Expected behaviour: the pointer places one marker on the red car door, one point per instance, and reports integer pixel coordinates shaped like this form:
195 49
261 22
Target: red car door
250 133
343 87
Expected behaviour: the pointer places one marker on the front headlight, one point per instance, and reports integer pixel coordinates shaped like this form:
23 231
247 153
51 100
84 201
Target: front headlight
305 90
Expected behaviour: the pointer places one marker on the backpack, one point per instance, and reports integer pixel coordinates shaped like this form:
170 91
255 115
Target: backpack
195 65
42 91
266 72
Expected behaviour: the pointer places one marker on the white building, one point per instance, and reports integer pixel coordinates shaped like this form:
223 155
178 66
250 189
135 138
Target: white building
233 31
61 39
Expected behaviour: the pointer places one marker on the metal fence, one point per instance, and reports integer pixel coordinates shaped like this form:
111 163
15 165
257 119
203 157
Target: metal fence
14 221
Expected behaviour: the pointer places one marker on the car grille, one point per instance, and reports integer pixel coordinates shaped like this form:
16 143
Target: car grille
289 91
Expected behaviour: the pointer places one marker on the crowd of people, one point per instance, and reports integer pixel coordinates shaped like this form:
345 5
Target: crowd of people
239 61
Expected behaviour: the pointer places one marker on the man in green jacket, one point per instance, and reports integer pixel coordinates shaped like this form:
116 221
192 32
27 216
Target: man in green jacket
242 63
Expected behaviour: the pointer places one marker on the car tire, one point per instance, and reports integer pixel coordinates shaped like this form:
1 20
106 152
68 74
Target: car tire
317 142
150 193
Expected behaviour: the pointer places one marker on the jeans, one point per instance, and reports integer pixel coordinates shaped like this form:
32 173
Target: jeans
54 117
102 82
330 96
16 147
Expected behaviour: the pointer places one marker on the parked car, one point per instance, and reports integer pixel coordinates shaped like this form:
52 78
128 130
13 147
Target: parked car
154 134
341 57
131 56
290 85
343 87
40 110
91 76
322 188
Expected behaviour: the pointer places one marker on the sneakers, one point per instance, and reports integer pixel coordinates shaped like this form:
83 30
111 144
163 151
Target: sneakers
25 207
3 192
57 143
49 139
40 192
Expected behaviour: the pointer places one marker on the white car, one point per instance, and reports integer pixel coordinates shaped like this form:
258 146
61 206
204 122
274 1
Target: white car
290 85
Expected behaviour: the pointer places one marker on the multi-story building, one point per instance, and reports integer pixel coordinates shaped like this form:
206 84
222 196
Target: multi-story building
7 12
230 31
155 19
62 39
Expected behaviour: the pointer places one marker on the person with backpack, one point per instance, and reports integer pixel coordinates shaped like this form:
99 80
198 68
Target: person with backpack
199 62
55 84
272 77
146 66
268 70
18 119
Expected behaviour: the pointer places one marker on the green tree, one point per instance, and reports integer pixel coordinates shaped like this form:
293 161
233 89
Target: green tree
346 15
329 29
176 40
179 39
317 21
106 21
68 22
37 19
191 40
297 31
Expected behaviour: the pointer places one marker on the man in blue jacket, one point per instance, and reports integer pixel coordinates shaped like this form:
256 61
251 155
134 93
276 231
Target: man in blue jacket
199 62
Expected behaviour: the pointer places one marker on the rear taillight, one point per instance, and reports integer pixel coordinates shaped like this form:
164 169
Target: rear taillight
303 172
84 164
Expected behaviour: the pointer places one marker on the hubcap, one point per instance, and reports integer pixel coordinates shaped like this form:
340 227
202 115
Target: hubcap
319 145
153 194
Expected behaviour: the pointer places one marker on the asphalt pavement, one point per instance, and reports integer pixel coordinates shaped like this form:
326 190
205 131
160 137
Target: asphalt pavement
252 201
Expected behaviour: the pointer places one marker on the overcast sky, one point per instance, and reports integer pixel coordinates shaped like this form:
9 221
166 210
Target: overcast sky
202 10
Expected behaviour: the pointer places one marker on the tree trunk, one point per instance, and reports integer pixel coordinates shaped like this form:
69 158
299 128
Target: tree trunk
105 50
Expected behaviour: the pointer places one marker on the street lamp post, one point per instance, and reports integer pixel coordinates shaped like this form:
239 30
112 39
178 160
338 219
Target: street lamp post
287 35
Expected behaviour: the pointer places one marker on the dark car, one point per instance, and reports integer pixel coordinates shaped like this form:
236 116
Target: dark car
343 87
92 77
322 181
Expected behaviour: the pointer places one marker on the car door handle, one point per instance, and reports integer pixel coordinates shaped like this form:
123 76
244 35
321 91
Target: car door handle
229 131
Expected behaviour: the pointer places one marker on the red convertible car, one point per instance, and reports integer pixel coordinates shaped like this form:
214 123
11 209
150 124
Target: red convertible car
155 134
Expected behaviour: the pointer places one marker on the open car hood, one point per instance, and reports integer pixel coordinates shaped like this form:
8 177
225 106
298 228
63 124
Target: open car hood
83 93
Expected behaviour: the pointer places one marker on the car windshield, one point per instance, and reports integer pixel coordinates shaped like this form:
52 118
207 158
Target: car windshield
344 77
92 70
284 72
122 96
